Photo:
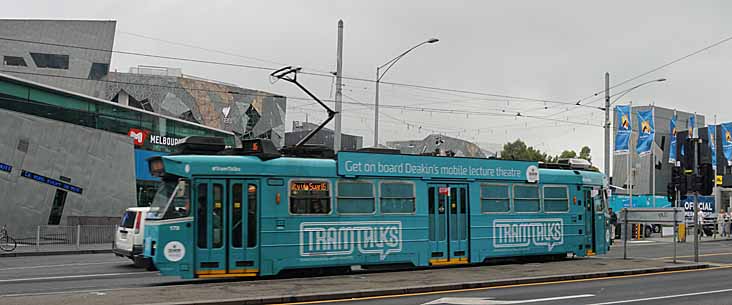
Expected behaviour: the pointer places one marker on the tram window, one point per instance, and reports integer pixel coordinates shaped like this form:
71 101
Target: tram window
397 198
355 197
310 197
526 198
252 216
202 216
218 215
556 199
598 200
494 198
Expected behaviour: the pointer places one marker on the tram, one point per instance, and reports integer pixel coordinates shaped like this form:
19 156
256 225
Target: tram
255 211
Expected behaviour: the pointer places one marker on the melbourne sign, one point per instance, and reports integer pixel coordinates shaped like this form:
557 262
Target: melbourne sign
347 237
140 135
521 233
352 164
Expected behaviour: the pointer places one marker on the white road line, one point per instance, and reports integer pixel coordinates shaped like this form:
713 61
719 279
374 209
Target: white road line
63 292
74 276
664 297
61 265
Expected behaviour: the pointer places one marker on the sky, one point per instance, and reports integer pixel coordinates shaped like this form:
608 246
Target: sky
495 58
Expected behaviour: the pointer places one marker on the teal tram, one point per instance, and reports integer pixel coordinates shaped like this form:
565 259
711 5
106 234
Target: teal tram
256 212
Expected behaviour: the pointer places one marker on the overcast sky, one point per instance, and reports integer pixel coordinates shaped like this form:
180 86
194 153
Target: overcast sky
548 50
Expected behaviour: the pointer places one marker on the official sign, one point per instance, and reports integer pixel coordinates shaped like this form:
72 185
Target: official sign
352 164
641 215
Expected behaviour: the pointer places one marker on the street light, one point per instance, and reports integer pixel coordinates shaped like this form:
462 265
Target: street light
379 75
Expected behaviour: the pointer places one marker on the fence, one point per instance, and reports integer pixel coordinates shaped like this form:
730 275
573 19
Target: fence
79 237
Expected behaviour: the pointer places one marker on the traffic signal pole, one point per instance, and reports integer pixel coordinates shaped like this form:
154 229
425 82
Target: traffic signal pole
696 203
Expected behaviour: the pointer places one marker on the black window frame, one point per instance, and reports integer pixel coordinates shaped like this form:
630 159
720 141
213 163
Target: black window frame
50 61
18 60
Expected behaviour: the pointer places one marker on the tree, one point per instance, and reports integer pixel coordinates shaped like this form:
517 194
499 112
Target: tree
585 153
519 151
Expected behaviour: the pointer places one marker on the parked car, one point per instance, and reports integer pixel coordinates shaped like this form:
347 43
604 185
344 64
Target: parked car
130 236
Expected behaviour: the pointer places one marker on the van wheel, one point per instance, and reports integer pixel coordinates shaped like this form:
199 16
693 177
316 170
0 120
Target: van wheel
648 231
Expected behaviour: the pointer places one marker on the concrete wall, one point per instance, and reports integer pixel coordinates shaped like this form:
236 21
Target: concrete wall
92 35
461 147
99 162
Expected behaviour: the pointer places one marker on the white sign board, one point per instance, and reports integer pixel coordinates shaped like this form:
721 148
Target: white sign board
642 215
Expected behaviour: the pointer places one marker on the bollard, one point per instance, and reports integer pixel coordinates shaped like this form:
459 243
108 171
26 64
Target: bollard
78 236
38 238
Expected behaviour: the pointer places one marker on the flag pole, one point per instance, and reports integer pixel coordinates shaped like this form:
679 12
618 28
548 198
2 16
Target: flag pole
653 152
630 155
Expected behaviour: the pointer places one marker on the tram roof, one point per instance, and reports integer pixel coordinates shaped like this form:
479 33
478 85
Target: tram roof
215 165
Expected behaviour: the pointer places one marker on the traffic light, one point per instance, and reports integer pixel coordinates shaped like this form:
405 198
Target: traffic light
679 180
671 192
706 179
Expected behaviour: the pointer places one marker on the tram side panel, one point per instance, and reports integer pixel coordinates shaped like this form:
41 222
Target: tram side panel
318 234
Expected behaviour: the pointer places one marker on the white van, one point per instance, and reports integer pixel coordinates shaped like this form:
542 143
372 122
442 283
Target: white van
130 236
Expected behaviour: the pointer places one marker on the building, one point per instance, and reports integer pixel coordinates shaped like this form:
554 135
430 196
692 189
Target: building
432 142
325 136
643 169
68 158
75 55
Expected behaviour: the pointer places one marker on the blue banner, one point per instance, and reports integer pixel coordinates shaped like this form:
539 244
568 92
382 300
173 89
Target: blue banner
691 124
51 181
622 136
727 141
712 130
672 146
646 132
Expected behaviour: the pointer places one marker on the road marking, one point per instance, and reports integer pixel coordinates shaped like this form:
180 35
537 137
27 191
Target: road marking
502 287
28 294
664 297
73 277
489 301
700 255
62 265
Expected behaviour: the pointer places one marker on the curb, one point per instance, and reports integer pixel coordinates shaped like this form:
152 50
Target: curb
433 288
60 252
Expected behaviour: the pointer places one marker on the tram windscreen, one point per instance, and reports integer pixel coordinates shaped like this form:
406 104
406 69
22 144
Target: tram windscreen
171 201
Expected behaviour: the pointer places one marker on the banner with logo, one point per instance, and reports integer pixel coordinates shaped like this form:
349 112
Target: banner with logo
622 136
672 146
646 132
727 141
712 130
691 124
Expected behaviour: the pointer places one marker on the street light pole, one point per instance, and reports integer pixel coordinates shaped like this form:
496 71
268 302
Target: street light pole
379 75
607 116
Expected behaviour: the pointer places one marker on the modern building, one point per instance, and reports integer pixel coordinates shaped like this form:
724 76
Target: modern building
432 142
68 158
75 55
324 136
642 168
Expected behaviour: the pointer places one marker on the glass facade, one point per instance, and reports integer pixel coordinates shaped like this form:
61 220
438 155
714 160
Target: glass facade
152 134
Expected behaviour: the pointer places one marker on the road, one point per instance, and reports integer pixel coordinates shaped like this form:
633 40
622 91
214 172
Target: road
100 272
69 273
689 287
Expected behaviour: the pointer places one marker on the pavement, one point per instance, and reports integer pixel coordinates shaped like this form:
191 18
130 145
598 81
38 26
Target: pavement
57 249
279 290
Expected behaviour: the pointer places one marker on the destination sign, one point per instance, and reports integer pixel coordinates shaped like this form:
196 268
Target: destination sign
309 186
353 164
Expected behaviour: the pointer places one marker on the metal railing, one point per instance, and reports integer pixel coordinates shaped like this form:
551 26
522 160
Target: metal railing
79 237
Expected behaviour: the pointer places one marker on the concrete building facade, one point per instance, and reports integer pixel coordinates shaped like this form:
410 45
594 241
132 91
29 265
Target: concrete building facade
429 144
75 55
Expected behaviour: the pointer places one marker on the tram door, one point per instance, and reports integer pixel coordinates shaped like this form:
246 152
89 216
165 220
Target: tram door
588 203
448 223
226 227
243 245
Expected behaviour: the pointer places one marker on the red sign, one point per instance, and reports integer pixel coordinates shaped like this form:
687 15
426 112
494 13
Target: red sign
444 191
138 136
